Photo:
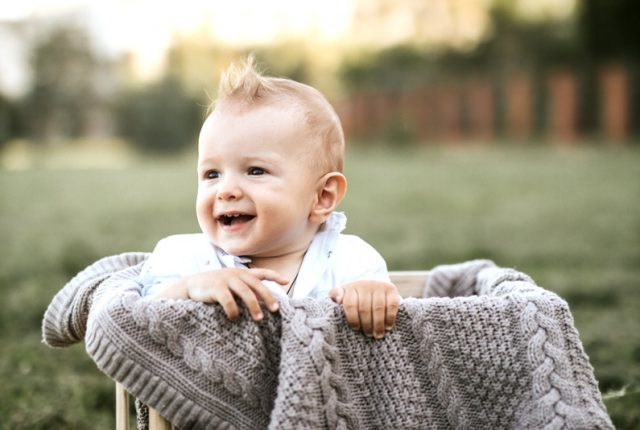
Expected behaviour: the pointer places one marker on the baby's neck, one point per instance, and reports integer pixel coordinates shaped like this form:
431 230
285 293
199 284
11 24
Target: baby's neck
287 265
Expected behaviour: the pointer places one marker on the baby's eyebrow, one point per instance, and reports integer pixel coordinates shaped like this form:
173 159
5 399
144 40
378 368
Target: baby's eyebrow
260 158
243 159
206 161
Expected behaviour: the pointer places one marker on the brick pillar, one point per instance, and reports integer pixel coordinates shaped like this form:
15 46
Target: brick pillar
364 114
481 108
379 118
614 108
449 108
519 107
425 113
563 106
358 115
345 110
407 106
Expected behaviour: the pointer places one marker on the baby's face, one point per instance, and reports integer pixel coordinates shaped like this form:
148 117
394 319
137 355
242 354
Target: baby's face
255 183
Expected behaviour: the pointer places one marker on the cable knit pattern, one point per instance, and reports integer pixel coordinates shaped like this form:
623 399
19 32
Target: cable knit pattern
488 350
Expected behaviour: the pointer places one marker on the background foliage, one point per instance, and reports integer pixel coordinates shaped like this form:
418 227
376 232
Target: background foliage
161 117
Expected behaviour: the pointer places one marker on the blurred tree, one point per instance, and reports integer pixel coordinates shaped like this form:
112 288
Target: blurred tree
398 67
511 43
609 28
65 76
161 117
521 43
10 121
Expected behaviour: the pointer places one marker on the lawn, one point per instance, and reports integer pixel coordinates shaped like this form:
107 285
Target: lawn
569 217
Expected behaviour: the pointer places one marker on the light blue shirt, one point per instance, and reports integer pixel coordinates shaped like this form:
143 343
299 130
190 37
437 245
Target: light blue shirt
332 260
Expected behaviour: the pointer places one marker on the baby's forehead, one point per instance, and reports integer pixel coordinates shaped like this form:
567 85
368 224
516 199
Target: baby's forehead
286 122
276 116
288 109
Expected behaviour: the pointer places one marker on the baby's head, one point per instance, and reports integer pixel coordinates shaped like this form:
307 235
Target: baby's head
270 158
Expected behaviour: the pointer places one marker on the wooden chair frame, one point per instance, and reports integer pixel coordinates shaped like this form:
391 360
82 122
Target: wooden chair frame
409 284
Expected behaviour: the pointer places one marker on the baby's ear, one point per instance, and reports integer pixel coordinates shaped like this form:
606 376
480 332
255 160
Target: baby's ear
329 193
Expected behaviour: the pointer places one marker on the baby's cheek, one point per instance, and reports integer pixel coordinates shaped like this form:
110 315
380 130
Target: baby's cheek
207 224
204 210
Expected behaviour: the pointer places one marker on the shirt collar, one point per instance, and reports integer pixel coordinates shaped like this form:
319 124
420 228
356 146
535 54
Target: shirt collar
316 259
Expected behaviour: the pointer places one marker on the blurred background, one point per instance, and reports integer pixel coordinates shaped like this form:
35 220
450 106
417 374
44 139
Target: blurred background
493 129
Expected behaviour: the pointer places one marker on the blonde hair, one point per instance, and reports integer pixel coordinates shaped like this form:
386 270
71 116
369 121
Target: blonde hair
244 84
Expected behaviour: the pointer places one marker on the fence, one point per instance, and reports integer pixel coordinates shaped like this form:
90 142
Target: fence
560 105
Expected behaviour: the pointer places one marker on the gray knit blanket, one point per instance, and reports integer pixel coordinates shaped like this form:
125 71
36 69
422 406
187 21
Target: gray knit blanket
488 349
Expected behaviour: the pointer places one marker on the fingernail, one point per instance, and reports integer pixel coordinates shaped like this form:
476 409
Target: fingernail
274 307
259 316
378 336
388 328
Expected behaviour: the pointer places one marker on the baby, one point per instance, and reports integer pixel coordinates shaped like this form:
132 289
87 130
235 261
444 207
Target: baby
270 176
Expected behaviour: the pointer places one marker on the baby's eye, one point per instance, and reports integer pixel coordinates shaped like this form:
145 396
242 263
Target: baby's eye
256 171
211 174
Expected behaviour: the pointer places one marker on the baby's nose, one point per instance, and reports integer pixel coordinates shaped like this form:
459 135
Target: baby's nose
229 189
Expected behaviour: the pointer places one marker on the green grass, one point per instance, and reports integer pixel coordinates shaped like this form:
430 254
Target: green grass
570 218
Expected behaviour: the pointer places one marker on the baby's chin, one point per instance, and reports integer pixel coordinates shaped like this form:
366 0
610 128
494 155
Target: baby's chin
238 251
244 251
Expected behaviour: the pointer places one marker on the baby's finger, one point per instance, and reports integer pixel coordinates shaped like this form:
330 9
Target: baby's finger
248 297
337 294
378 308
393 303
224 297
262 291
365 310
270 275
350 305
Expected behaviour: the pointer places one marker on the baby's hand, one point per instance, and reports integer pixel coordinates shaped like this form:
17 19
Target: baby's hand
224 285
370 306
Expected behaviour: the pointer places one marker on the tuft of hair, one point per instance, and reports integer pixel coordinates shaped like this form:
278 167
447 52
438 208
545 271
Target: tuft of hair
244 84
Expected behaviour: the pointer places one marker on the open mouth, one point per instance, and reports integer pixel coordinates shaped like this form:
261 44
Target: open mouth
231 219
